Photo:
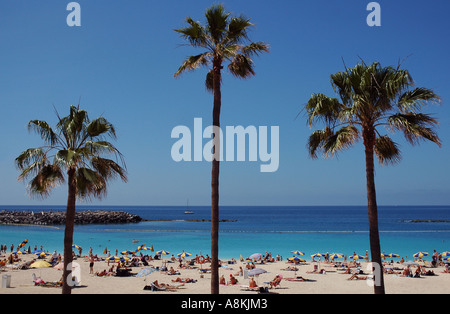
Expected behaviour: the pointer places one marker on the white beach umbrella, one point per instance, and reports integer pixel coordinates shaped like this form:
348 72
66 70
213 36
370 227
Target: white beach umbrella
255 256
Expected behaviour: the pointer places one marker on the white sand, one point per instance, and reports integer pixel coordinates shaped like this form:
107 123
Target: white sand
331 283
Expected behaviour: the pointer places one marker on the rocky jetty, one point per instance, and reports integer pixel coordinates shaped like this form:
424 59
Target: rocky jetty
59 218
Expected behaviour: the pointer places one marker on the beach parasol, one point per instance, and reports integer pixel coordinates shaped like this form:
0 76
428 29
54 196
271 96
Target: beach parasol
255 256
256 272
298 253
117 258
40 264
296 259
356 256
445 254
184 254
112 258
161 253
74 246
393 255
18 252
127 252
317 255
336 255
41 254
420 254
21 245
141 247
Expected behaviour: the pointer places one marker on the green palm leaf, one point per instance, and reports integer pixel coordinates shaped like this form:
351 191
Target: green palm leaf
415 127
387 151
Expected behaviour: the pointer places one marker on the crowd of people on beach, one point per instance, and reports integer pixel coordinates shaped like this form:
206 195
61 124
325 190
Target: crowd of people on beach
123 266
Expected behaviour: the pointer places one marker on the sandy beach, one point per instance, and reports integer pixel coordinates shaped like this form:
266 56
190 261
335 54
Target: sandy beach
334 281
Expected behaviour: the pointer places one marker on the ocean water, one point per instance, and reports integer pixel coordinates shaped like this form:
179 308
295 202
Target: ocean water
249 229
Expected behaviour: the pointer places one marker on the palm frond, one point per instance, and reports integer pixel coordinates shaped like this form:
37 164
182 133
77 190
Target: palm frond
316 141
323 108
387 151
413 100
108 168
29 156
68 158
217 21
95 148
100 126
193 63
195 33
340 140
241 66
415 127
46 179
237 30
255 49
90 183
44 130
77 119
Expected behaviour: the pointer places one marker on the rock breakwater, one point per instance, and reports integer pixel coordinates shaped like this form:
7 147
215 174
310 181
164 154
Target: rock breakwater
59 218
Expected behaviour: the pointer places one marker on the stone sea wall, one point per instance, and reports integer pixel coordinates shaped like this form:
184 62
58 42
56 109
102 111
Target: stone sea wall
59 218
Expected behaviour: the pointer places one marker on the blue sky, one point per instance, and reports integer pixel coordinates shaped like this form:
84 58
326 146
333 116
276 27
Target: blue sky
121 61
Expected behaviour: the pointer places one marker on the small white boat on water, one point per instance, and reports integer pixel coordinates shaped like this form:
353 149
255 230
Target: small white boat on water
187 211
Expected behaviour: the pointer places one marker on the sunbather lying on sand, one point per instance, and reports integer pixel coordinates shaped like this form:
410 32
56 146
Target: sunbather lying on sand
185 280
172 271
290 268
355 276
166 286
315 271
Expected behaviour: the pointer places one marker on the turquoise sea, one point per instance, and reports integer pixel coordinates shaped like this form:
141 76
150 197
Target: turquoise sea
250 229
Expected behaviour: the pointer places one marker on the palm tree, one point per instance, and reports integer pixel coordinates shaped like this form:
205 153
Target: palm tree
223 39
74 148
371 97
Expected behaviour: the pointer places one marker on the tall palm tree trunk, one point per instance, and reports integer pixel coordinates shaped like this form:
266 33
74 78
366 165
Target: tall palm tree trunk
375 249
215 180
68 233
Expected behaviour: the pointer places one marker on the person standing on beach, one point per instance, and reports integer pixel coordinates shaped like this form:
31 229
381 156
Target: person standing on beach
435 258
91 264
